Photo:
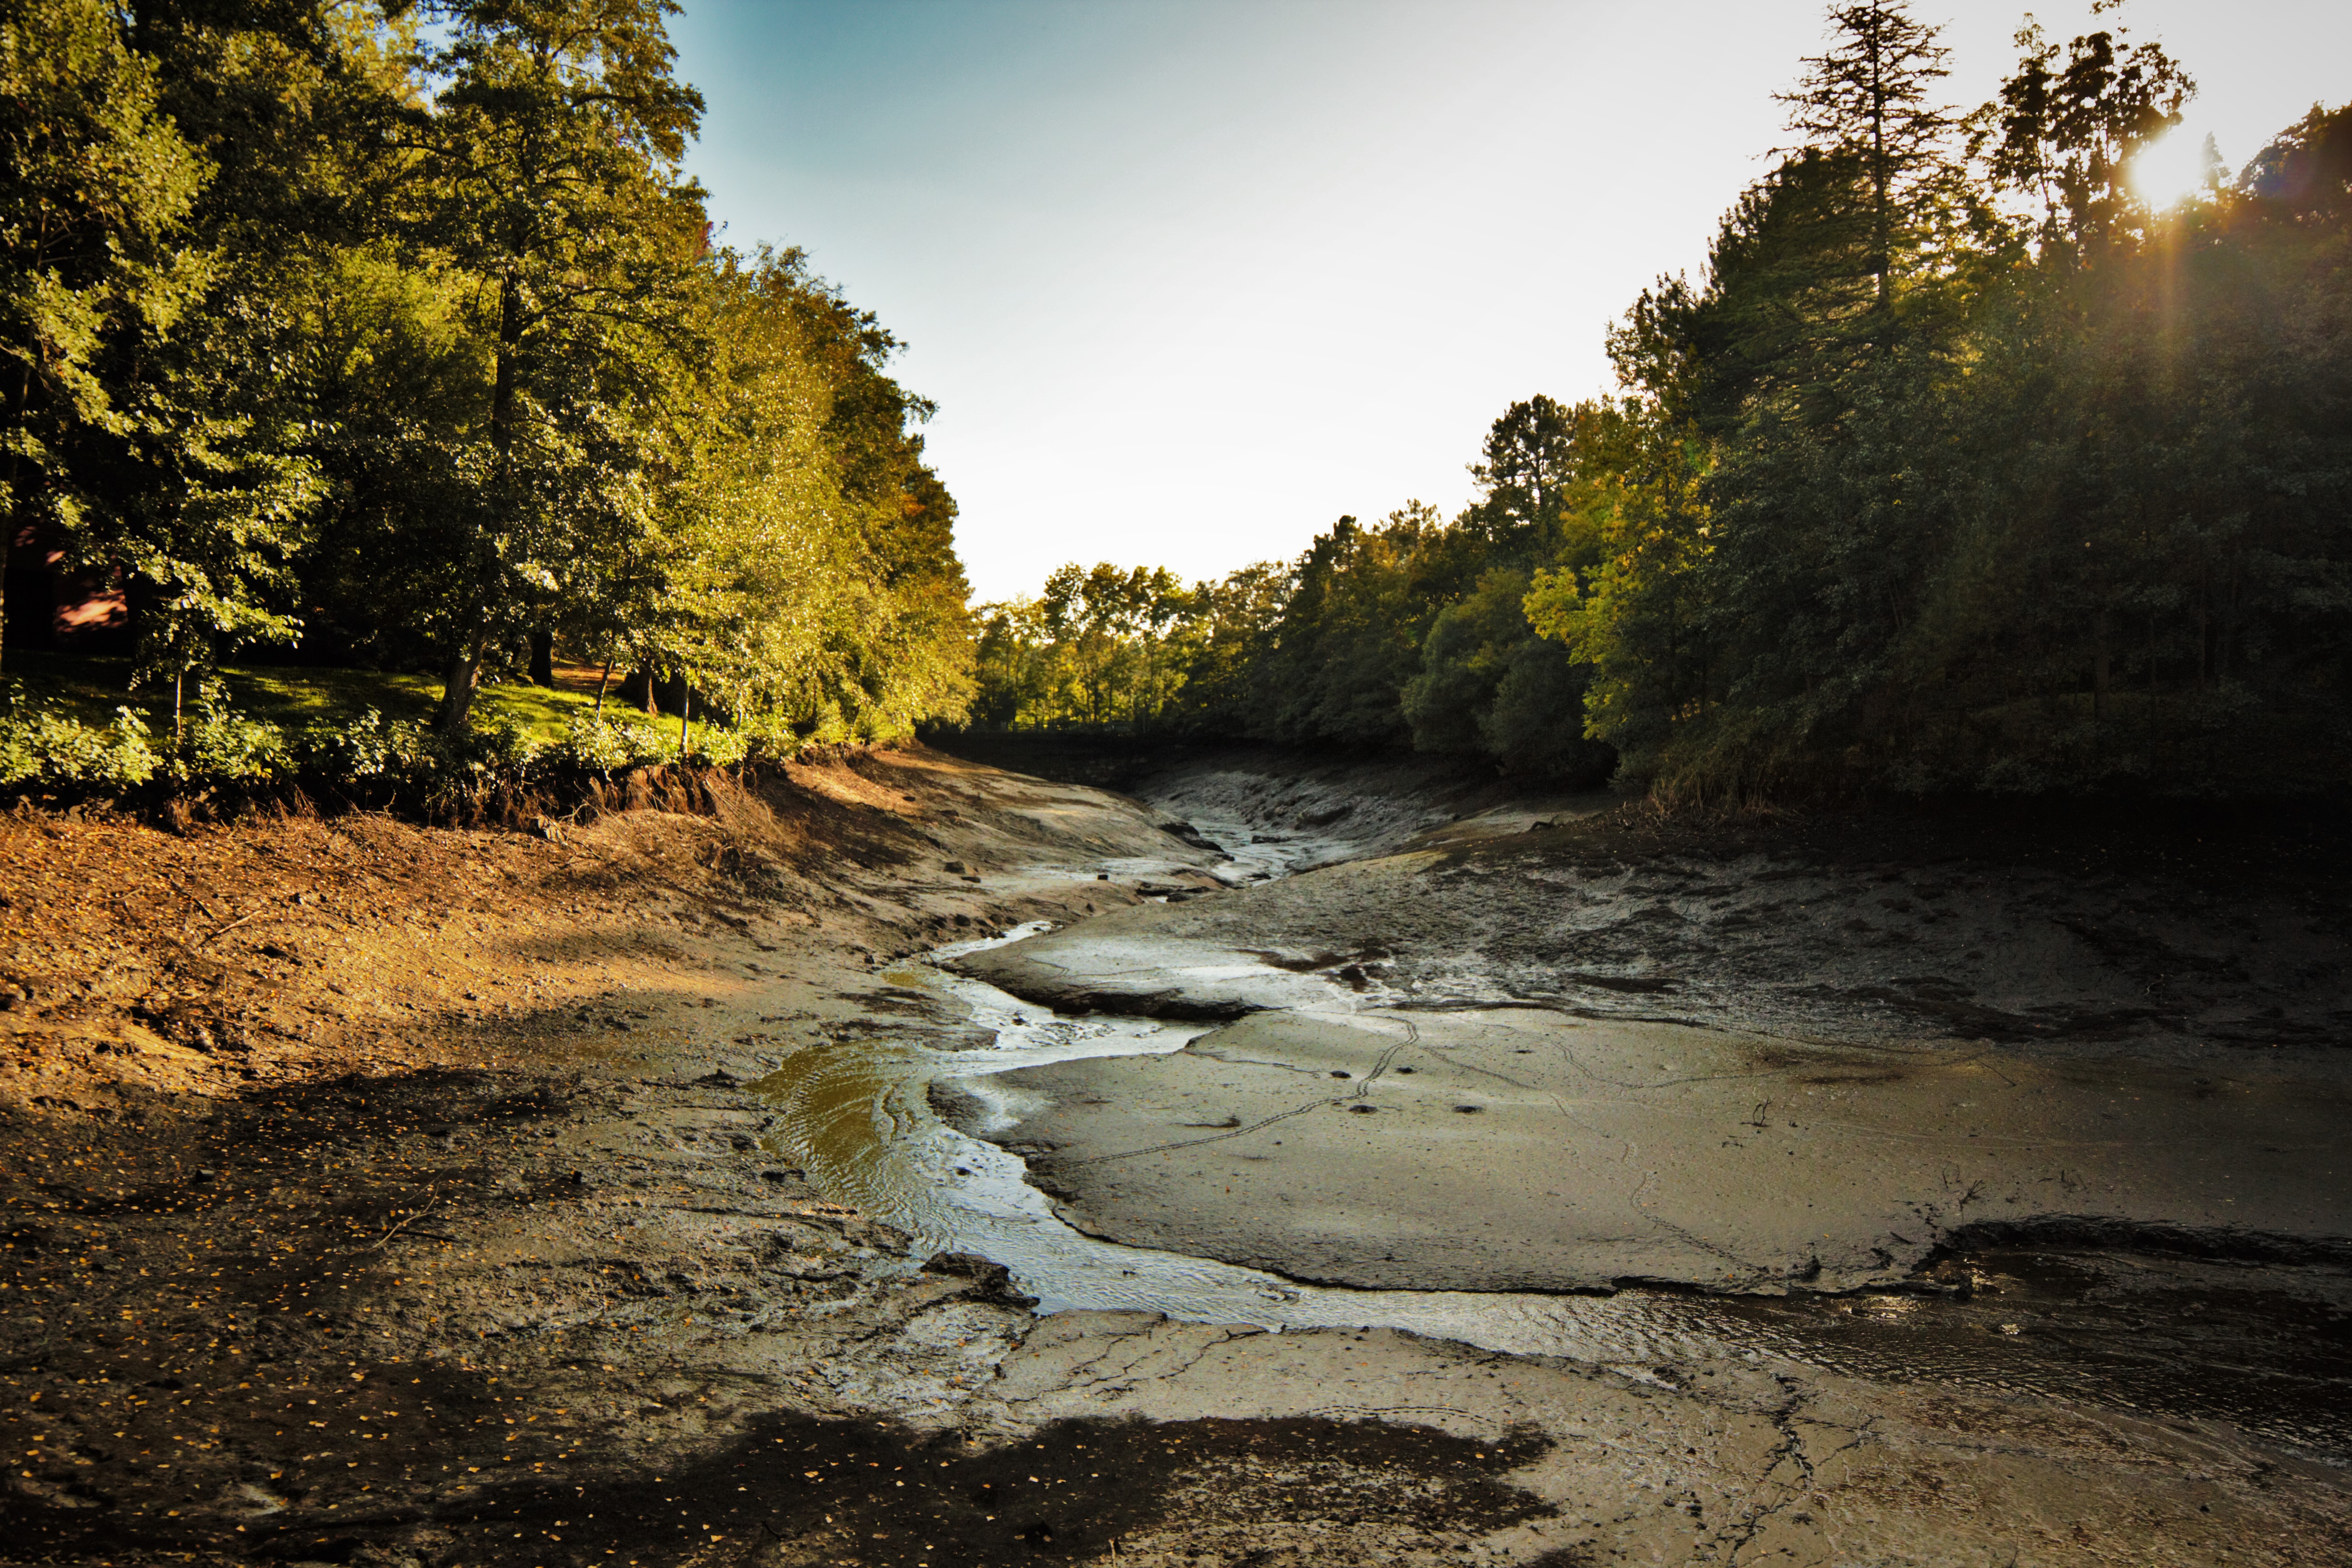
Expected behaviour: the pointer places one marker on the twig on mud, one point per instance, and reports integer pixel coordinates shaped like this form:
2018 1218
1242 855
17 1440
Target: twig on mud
223 930
192 899
414 1214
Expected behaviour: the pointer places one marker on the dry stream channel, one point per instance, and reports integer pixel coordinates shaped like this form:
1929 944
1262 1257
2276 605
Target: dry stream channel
2261 1346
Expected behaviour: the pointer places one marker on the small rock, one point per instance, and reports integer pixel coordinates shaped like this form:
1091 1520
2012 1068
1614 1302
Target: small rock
990 1281
955 865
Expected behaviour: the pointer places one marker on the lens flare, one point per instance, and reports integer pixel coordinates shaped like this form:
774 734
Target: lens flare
2177 166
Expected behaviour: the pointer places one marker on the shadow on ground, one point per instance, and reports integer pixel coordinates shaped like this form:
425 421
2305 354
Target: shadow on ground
795 1487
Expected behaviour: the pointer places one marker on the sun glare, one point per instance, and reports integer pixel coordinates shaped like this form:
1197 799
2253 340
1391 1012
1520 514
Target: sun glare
2171 169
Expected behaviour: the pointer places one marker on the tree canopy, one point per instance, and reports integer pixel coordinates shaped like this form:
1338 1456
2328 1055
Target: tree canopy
1962 467
393 334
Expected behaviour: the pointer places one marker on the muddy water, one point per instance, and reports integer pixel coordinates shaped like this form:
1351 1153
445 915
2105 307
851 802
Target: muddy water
2267 1350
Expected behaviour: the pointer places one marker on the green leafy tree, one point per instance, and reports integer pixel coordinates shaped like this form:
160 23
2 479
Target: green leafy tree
2066 125
1640 617
97 188
546 175
1487 682
1349 636
1229 643
176 174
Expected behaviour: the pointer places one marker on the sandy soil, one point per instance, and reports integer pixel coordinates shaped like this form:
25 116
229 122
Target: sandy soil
389 1196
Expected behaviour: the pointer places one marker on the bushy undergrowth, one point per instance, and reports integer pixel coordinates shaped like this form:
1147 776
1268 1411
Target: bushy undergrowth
47 749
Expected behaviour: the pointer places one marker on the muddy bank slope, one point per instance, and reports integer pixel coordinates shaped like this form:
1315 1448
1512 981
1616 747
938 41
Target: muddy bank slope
365 1181
1739 1058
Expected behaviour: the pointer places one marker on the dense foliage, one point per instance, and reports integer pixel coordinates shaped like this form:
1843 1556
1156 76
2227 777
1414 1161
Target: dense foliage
1963 468
391 335
1409 632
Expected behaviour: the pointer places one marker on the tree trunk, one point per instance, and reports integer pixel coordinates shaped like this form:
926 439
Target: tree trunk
605 681
2202 633
542 657
1882 238
466 662
502 387
684 708
22 407
457 687
2099 667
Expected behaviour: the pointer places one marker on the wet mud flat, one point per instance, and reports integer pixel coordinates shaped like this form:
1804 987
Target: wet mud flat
1518 1149
2059 1121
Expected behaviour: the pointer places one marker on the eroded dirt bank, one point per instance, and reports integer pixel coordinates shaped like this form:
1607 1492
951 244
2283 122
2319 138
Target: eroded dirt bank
385 1196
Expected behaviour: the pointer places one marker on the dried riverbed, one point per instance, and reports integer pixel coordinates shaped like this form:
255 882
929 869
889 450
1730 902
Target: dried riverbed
398 1197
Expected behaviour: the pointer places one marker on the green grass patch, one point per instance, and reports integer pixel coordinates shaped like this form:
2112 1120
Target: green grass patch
90 689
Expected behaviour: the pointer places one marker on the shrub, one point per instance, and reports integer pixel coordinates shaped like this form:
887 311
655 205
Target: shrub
46 748
223 745
607 745
40 746
366 748
710 746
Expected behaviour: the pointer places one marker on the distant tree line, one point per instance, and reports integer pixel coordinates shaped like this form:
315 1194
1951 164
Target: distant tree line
394 335
1962 467
1412 631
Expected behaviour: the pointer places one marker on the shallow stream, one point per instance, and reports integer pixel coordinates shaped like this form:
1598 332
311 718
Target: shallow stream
2268 1348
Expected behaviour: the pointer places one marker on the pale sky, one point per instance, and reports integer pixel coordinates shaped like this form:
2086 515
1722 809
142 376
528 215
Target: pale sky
1190 278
